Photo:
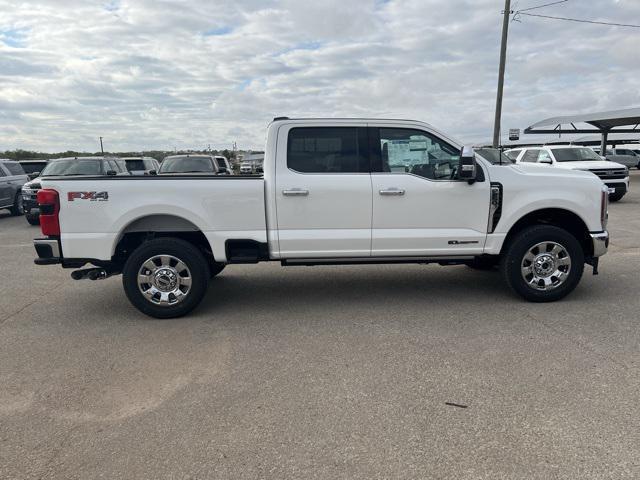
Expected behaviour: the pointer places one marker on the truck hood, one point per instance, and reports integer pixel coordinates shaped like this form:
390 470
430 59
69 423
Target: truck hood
545 170
588 165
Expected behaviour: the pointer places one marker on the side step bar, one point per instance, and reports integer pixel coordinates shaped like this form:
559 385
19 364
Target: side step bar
375 260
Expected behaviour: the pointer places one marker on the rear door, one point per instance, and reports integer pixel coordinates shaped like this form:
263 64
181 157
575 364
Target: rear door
420 208
323 191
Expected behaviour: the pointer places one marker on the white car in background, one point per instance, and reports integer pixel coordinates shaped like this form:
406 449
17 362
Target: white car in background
571 157
246 168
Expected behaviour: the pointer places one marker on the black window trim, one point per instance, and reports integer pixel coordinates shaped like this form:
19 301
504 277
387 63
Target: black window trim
365 141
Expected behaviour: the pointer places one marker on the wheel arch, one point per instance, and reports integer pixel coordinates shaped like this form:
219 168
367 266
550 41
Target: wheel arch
558 217
151 226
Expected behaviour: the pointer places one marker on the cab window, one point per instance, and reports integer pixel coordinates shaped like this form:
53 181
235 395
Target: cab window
530 156
513 154
418 153
544 155
328 150
14 168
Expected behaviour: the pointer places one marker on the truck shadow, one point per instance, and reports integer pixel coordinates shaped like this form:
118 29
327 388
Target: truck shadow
327 289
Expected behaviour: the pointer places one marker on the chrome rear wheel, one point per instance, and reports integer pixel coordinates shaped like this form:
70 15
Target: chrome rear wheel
164 280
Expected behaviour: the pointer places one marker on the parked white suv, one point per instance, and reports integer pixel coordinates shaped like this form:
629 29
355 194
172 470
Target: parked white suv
571 157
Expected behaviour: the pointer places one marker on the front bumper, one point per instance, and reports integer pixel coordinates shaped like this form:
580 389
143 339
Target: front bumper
617 187
600 243
48 251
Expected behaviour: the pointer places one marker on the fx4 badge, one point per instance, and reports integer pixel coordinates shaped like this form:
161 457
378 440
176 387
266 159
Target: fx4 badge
91 196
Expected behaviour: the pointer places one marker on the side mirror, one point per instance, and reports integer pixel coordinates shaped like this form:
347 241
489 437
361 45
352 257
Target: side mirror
111 172
153 172
222 171
548 161
33 175
467 167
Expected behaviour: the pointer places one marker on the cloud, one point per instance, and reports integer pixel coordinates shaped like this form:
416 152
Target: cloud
150 74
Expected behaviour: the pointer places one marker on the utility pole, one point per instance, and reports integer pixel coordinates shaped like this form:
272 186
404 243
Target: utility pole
503 60
101 147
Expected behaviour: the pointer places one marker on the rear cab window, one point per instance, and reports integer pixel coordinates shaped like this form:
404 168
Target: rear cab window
328 150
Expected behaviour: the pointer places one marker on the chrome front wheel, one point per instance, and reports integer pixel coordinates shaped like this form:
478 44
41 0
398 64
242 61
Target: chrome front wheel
546 266
543 263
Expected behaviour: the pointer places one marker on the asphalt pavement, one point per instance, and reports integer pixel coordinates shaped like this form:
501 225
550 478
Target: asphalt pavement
394 371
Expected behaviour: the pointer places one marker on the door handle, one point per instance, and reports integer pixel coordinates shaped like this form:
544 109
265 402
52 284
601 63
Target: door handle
295 192
392 191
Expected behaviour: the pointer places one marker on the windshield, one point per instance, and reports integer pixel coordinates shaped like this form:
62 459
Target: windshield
494 156
575 155
73 166
186 165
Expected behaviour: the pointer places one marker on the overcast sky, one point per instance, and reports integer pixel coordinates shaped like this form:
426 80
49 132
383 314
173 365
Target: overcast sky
159 74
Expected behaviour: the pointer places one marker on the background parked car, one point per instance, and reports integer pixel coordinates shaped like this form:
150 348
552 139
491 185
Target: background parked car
81 166
33 167
625 156
572 157
141 165
246 167
12 178
193 164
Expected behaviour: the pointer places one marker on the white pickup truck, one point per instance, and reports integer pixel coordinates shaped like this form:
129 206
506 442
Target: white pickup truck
334 191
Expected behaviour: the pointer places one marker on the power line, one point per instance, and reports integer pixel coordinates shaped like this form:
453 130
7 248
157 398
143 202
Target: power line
541 6
579 20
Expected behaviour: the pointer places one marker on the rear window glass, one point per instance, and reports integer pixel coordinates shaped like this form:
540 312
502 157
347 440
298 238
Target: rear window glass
33 167
134 165
187 165
73 166
327 150
14 168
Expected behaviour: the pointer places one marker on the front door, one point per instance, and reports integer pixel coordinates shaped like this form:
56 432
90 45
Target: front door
420 208
323 192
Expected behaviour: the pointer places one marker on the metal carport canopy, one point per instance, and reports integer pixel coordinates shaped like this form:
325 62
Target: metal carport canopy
604 123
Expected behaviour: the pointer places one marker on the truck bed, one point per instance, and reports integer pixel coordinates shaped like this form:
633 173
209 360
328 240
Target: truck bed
96 211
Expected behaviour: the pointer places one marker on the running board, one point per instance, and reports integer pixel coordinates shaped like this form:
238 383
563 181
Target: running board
291 262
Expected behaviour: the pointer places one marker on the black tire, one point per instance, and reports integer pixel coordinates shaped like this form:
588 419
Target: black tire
616 197
522 243
483 263
215 268
33 219
188 254
18 208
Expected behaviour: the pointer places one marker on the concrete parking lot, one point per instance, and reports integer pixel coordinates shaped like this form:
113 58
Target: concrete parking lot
323 372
